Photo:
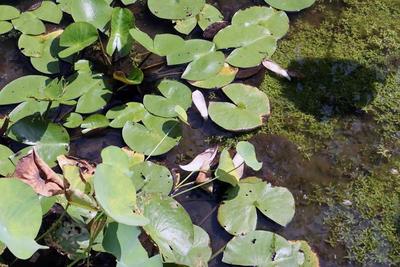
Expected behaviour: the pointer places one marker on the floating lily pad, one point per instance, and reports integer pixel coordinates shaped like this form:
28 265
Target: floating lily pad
19 204
165 44
93 100
172 9
93 122
76 37
135 76
23 89
142 38
116 194
248 111
96 12
192 49
238 214
152 178
8 12
170 225
73 120
174 94
277 22
31 45
48 62
262 248
290 5
49 11
226 171
28 23
123 242
5 27
223 78
209 15
204 67
28 108
161 134
81 83
131 111
49 139
6 165
120 40
185 26
247 151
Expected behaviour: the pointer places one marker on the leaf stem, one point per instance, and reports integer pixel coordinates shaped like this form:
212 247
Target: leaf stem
184 180
104 52
54 225
162 140
219 251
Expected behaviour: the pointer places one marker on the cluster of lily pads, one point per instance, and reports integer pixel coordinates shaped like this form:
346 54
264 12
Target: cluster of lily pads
127 194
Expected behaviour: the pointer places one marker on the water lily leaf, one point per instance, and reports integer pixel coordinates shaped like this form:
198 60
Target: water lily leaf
135 76
290 5
8 12
142 38
120 40
262 248
185 26
33 171
250 108
238 214
28 108
227 171
23 89
174 93
274 67
204 67
93 122
85 168
238 162
96 12
116 194
202 161
223 78
115 156
152 178
49 11
162 134
123 242
19 205
5 27
310 257
48 61
128 2
277 22
165 44
49 139
76 37
247 151
171 9
6 165
93 100
33 46
200 103
170 225
181 114
131 111
192 49
73 120
209 15
28 23
82 82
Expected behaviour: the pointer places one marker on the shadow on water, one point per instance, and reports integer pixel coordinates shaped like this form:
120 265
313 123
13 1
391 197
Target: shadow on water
329 87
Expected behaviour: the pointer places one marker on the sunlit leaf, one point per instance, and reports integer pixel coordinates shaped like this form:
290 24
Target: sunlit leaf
120 40
226 170
131 111
76 37
172 9
28 23
248 153
5 27
221 79
290 5
93 122
8 12
48 11
73 120
204 67
96 12
6 165
152 178
192 49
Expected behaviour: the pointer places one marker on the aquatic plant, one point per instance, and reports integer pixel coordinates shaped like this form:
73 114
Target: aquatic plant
128 194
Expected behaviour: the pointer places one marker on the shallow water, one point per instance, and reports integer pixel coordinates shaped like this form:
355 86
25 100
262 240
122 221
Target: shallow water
283 164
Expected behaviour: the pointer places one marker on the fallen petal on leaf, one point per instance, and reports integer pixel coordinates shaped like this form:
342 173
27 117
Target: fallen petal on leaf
272 66
200 103
202 161
238 161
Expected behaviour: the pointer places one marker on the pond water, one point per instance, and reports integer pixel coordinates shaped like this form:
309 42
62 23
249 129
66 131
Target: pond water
336 161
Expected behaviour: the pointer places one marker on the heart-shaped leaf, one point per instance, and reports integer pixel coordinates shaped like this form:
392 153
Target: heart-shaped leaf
250 108
48 11
204 67
5 27
73 120
76 37
19 205
120 40
290 5
238 214
172 9
152 178
8 12
28 23
131 111
221 79
6 165
93 100
96 12
48 62
165 44
247 151
192 49
93 122
227 171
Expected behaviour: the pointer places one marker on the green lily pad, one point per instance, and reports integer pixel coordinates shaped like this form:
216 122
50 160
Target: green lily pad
48 62
123 242
115 156
262 249
73 120
310 257
248 111
49 11
23 89
83 82
93 100
226 171
170 225
49 139
162 134
172 9
238 214
135 76
93 122
116 194
28 108
131 111
247 151
165 44
290 5
96 12
6 165
152 178
28 23
224 77
204 67
8 12
76 37
185 26
120 40
174 94
19 204
277 22
5 27
209 15
192 49
142 38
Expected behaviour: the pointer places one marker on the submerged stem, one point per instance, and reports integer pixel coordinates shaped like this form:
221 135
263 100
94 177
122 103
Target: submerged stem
54 225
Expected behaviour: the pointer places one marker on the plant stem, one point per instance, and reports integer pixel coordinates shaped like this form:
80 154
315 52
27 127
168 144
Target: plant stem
162 140
219 251
54 225
194 187
104 52
184 180
154 65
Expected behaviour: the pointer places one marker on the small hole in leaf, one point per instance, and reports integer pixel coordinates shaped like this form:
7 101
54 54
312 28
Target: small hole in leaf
253 241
